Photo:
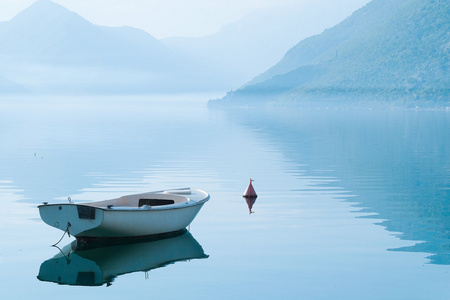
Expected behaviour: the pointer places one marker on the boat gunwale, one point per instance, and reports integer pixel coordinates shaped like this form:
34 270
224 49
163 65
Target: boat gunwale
131 208
125 208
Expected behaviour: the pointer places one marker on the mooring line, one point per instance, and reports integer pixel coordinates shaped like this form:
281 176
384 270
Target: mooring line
65 256
67 231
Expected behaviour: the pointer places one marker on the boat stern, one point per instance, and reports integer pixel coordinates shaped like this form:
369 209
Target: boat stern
73 218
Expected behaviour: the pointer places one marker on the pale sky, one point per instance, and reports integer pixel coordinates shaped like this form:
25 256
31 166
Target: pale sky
163 18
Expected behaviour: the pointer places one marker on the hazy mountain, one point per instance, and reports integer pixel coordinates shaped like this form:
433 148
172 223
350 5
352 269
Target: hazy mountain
47 32
250 46
50 49
385 49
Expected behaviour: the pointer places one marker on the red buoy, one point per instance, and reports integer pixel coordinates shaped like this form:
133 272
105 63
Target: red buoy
250 191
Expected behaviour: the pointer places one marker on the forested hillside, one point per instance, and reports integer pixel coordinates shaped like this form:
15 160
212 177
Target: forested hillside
387 50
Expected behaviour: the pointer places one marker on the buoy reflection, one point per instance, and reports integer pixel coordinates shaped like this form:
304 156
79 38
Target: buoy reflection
250 201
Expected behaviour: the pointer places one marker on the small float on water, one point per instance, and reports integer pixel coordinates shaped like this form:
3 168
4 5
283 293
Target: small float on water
138 215
250 196
250 191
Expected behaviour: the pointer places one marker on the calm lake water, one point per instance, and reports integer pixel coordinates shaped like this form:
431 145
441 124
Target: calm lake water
353 204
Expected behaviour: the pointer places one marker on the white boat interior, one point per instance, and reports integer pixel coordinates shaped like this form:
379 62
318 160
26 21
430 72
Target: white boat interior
154 200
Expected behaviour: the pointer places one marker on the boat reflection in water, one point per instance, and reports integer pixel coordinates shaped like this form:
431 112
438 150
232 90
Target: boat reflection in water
95 264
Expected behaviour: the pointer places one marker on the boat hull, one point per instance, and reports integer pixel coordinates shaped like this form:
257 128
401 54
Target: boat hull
133 223
87 221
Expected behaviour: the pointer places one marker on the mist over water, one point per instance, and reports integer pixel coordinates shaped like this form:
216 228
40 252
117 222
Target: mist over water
338 190
345 132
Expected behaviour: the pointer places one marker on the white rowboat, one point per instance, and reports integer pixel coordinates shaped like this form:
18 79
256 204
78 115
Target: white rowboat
135 215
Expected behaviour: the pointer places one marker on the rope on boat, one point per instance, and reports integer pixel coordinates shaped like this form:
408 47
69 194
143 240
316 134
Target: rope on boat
67 231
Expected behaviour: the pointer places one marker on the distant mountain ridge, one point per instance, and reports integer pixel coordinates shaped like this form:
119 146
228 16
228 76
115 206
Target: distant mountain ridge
385 49
252 45
49 49
47 32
